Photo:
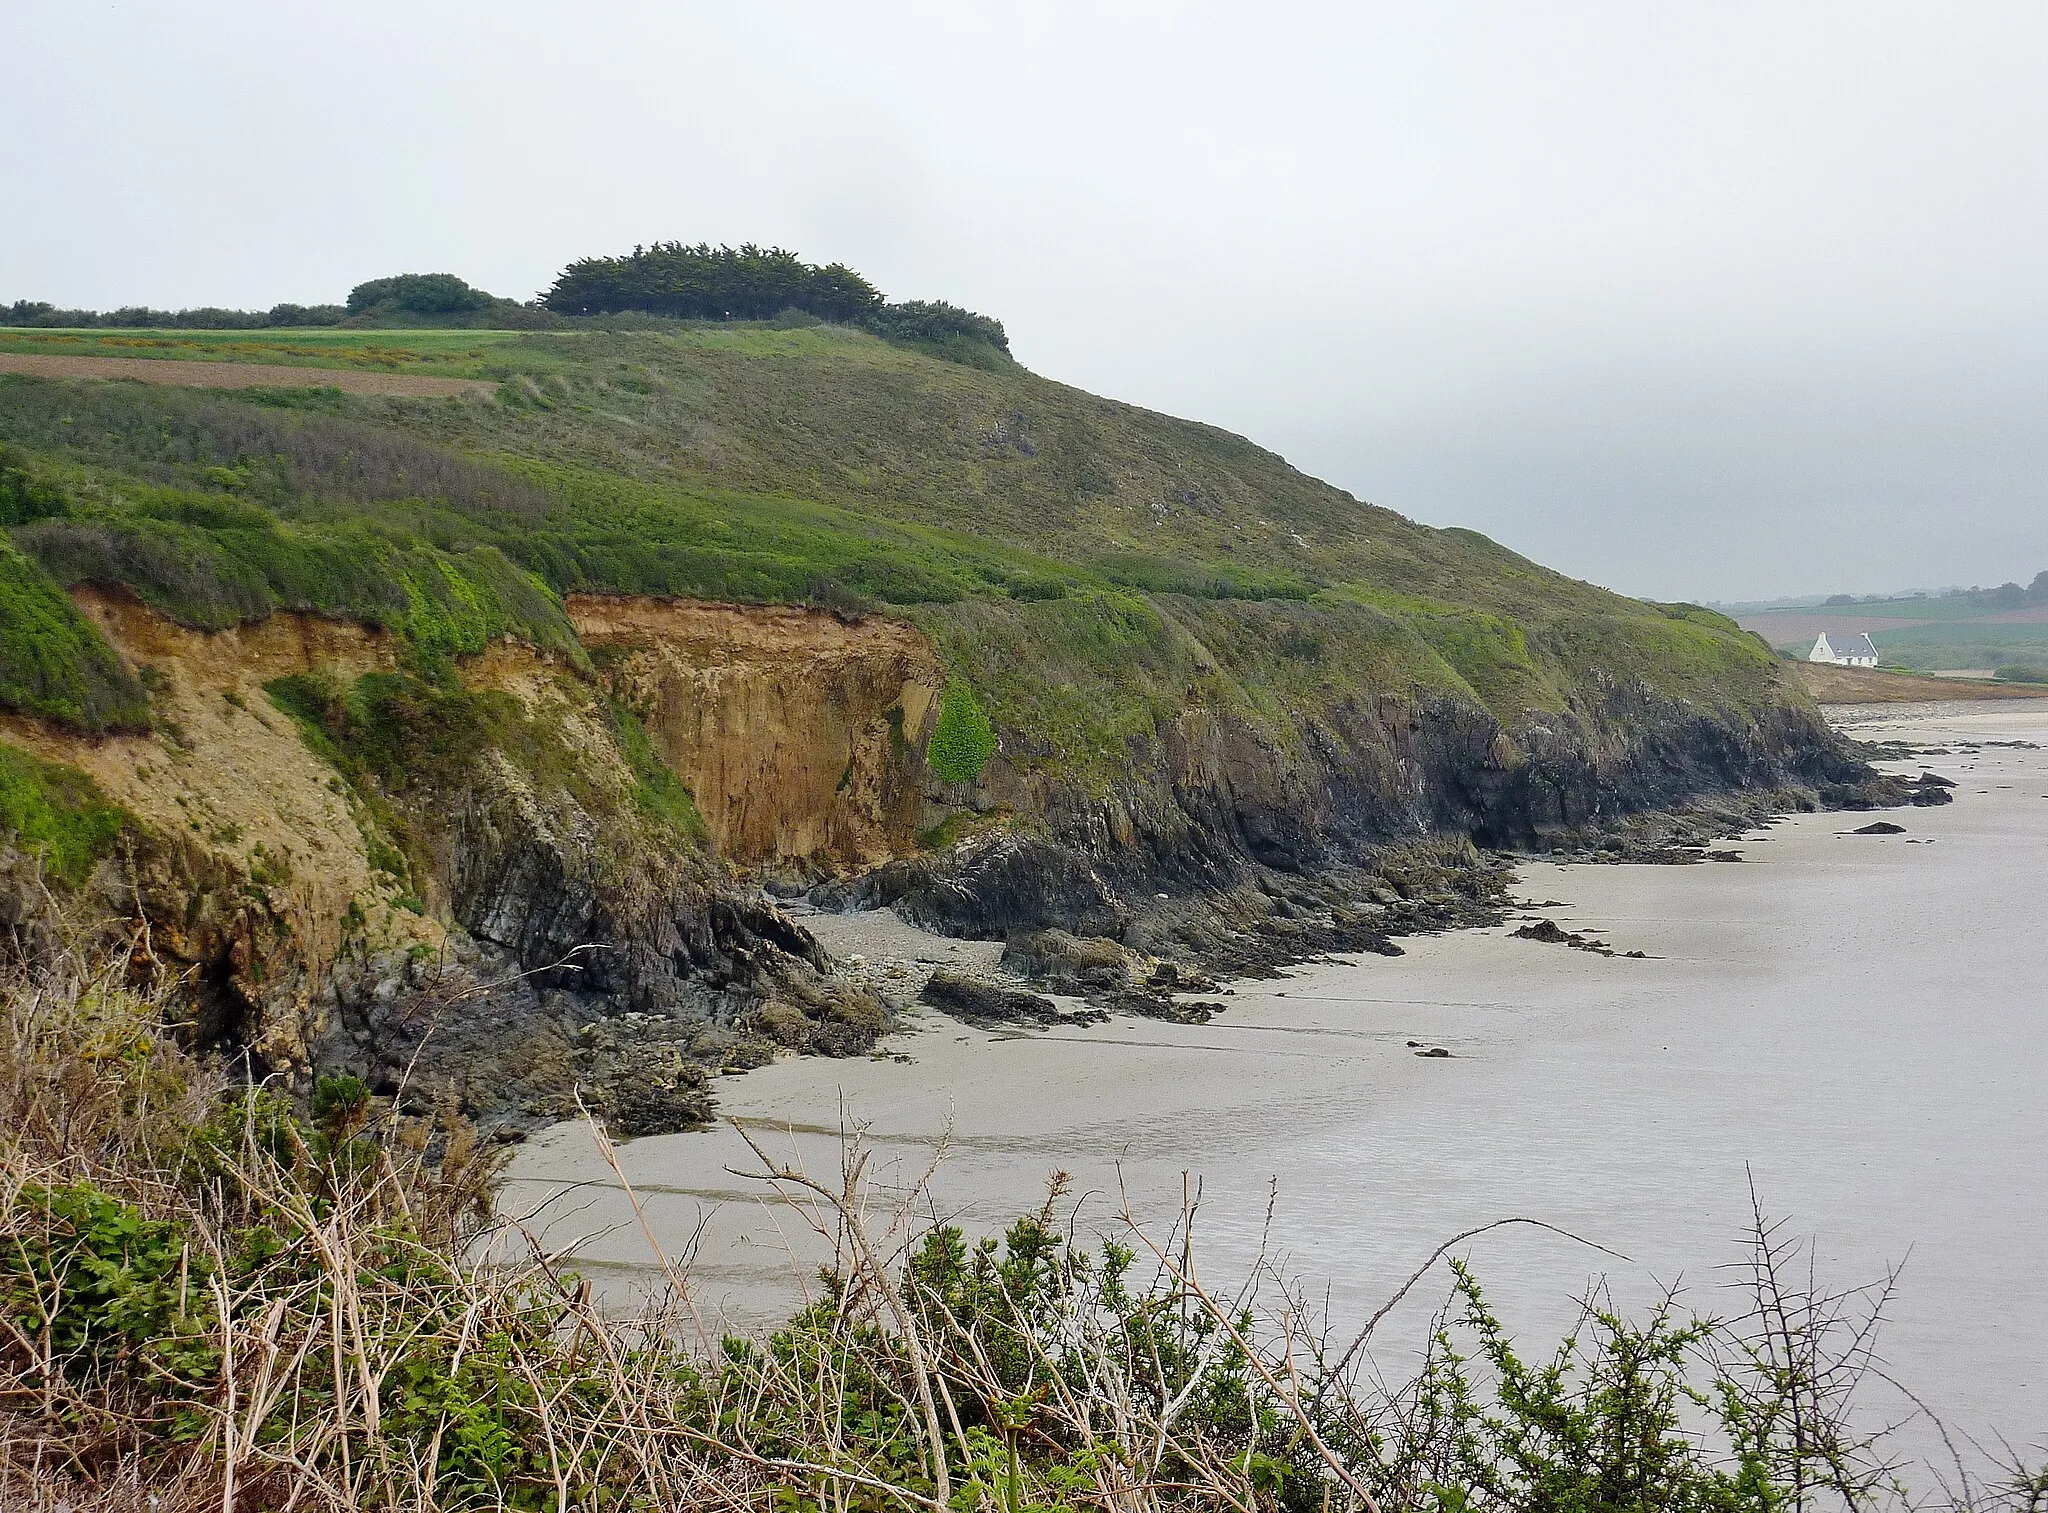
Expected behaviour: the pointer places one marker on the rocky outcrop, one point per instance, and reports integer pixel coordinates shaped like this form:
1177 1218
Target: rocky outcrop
1223 837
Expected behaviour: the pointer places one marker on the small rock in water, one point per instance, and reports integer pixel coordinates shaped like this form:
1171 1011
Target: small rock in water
1880 827
1434 1053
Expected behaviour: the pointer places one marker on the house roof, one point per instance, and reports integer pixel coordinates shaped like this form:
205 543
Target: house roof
1851 646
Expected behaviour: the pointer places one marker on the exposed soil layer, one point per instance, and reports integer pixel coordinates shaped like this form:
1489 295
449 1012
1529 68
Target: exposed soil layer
539 935
239 375
793 729
532 942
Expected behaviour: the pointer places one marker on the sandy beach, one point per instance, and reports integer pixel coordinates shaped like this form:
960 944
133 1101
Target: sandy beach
1852 1022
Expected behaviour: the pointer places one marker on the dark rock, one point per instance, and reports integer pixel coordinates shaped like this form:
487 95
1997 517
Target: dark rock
1549 934
1434 1053
1928 798
1081 965
1932 780
1879 827
981 1002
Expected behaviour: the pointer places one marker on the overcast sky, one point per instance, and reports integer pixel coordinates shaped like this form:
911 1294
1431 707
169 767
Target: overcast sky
1711 301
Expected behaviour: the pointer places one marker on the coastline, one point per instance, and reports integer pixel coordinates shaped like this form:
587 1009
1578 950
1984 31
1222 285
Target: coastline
1551 1096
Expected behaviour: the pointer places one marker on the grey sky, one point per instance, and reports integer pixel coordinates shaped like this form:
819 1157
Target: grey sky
1706 301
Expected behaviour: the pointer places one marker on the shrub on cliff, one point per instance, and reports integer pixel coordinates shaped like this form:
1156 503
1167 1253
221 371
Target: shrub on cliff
417 294
963 739
943 330
54 662
57 814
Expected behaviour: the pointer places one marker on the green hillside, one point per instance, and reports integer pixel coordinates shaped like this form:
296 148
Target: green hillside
1085 565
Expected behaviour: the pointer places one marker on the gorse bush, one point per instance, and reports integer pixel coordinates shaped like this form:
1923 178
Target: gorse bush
943 330
53 661
962 738
417 294
24 494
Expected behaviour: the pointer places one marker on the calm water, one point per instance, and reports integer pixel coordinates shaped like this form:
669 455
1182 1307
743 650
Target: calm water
1854 1023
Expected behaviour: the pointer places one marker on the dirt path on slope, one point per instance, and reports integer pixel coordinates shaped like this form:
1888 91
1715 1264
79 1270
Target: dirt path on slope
240 375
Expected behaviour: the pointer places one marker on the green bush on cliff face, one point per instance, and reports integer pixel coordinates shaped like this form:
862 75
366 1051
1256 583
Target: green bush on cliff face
24 494
963 739
53 661
57 813
661 793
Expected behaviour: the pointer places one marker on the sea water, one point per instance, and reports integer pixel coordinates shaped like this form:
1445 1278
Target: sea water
1849 1027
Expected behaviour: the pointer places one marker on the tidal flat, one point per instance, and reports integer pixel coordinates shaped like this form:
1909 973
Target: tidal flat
1856 1026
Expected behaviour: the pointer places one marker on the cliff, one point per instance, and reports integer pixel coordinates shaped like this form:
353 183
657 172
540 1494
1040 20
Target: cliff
451 740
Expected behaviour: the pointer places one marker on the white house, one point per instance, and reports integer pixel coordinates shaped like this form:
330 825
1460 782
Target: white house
1852 651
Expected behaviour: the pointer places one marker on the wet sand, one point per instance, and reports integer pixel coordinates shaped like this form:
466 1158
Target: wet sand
1853 1021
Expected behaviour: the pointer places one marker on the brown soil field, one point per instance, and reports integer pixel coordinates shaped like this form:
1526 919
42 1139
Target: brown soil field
240 375
1862 685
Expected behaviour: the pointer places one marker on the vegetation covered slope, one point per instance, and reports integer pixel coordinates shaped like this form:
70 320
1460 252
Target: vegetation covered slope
1138 669
820 464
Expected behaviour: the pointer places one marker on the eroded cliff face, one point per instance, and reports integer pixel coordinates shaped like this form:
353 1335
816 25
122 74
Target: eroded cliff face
250 861
796 731
546 930
1226 843
538 934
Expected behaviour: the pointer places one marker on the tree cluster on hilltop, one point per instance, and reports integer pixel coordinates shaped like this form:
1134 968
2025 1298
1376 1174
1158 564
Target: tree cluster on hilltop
711 283
759 283
667 280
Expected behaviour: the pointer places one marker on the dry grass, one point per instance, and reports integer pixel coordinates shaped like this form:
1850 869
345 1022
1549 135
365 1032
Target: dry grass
209 1300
